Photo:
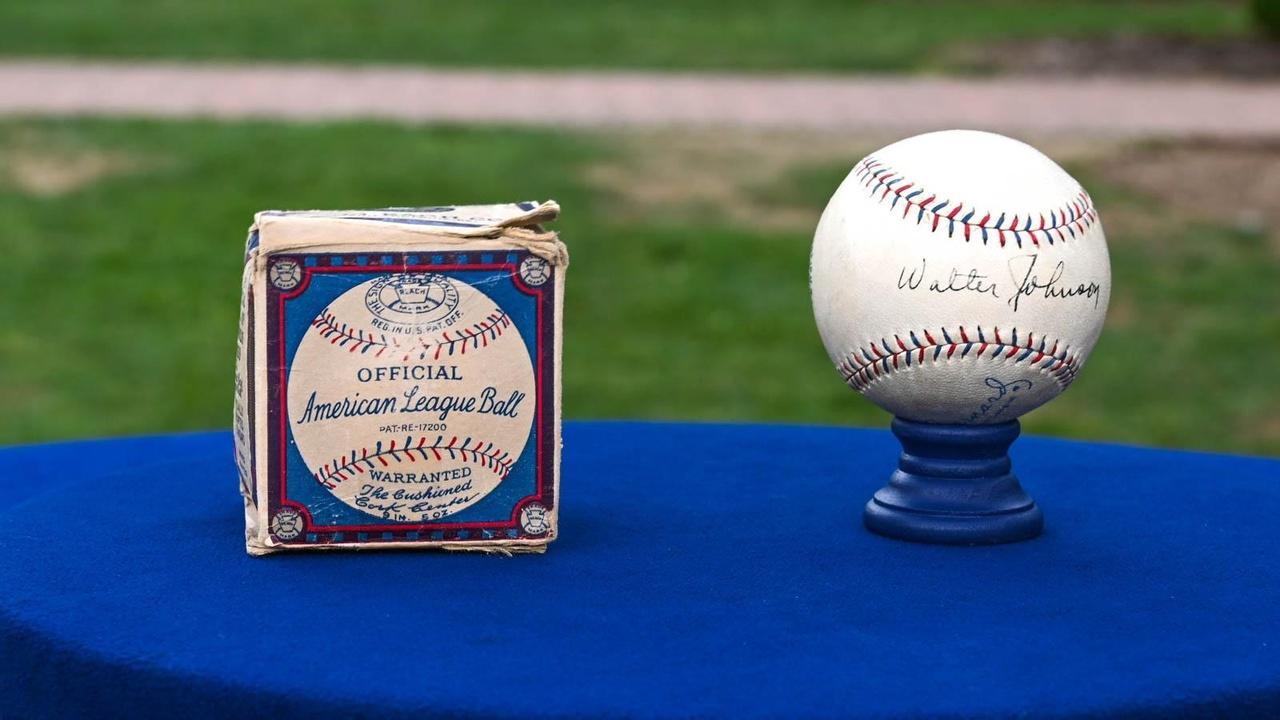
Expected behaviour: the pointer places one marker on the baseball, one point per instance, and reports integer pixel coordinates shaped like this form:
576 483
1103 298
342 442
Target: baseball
959 277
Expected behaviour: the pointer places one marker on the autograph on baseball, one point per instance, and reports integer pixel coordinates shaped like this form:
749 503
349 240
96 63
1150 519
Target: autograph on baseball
955 281
1003 395
1023 278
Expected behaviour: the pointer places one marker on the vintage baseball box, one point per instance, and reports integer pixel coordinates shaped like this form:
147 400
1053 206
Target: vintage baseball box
398 379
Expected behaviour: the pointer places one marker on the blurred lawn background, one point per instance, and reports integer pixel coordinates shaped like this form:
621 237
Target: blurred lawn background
687 294
660 34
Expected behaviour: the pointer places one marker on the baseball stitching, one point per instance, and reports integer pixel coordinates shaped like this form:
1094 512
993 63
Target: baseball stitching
1073 218
358 460
356 340
864 366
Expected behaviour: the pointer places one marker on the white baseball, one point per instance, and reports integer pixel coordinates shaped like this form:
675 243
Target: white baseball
959 277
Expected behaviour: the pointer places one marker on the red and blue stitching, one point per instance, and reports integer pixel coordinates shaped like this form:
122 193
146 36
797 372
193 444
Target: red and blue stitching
353 340
878 359
1057 225
475 337
361 460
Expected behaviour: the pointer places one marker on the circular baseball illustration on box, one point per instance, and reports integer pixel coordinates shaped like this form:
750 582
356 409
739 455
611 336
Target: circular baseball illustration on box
411 396
287 524
535 271
533 518
286 274
413 303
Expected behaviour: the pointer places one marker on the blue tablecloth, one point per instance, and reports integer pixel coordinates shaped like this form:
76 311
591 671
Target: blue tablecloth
702 570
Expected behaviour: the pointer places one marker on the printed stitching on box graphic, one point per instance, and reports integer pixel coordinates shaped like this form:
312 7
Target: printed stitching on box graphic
862 367
1072 218
356 340
358 460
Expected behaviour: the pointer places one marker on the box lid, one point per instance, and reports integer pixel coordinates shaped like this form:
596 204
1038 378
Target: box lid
519 223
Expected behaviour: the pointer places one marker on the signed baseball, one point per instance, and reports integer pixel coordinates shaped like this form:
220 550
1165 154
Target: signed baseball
959 277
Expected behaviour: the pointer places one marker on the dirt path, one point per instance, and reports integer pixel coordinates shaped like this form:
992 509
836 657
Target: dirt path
1096 106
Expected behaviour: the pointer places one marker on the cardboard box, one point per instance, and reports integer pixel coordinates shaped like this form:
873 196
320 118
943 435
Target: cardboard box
398 379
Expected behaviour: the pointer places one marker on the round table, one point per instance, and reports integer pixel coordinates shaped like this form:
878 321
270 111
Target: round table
702 570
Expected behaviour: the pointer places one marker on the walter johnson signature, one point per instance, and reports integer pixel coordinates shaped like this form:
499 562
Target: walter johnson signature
1002 396
1025 279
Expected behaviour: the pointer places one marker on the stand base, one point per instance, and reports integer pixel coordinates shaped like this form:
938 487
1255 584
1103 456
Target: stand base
953 529
954 485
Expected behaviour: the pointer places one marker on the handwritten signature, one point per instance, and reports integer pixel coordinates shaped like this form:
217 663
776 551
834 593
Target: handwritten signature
1003 395
956 281
1022 275
1052 288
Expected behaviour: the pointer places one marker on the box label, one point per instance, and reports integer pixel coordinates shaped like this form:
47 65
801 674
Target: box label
411 396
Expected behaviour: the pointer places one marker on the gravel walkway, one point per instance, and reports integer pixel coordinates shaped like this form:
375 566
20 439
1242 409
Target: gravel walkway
1104 107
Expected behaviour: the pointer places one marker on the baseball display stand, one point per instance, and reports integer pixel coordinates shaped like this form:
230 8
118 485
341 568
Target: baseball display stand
954 484
960 280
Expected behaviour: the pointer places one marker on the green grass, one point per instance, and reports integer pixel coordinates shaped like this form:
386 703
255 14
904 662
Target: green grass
666 34
120 295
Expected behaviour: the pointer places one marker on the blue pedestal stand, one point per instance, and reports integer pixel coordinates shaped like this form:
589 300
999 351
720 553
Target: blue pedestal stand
954 485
